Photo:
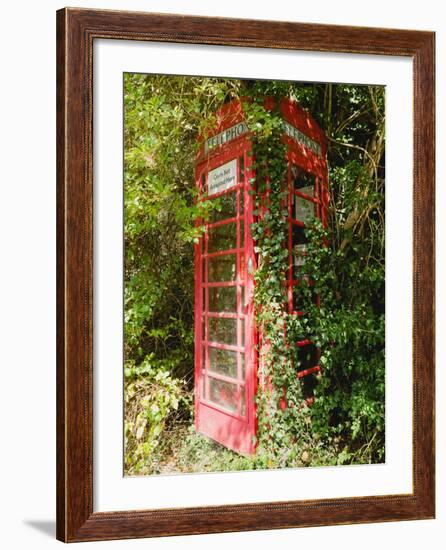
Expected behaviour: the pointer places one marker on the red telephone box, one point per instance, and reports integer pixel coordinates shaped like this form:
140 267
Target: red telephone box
225 261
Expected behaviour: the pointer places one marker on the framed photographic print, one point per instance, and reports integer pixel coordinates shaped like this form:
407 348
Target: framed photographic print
245 275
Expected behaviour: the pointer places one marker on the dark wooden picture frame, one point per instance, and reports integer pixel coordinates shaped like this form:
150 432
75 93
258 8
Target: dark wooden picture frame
76 31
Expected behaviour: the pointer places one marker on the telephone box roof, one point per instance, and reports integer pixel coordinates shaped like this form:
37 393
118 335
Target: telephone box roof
300 128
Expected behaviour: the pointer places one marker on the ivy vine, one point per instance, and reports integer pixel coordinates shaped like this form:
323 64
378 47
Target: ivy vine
281 409
347 327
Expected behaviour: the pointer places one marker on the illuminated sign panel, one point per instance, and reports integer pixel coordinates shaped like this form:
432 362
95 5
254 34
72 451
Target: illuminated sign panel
242 128
292 132
227 135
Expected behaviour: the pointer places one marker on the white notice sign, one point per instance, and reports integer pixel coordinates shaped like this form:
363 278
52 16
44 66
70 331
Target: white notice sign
222 178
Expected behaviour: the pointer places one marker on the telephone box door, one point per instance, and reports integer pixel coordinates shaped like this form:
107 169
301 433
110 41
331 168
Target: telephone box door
225 377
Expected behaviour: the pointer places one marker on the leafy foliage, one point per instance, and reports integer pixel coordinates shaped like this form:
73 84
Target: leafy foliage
346 264
152 396
163 116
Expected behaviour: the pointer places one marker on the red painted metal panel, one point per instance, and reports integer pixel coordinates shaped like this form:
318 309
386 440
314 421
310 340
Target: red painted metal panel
225 407
225 429
231 424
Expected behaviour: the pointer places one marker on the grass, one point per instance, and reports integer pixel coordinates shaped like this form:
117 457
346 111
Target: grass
182 450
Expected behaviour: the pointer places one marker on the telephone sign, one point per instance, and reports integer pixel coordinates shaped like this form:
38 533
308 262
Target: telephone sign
227 135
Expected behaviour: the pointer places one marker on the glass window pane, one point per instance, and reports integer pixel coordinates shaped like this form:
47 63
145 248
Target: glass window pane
304 210
224 207
299 236
309 384
223 331
203 328
222 268
241 164
242 332
308 357
203 357
297 298
299 251
223 298
242 402
223 393
203 385
299 254
302 181
242 203
223 361
242 234
222 237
